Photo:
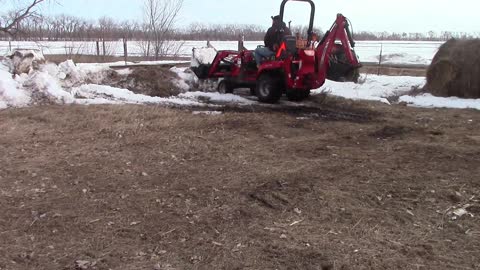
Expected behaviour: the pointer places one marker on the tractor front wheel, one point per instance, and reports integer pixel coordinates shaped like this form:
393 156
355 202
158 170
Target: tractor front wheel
224 87
269 88
297 95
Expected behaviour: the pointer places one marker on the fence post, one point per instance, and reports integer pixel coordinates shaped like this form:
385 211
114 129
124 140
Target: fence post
104 49
380 59
125 50
9 44
98 48
240 43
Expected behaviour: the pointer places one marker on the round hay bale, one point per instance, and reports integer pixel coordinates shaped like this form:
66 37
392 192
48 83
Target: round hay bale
455 70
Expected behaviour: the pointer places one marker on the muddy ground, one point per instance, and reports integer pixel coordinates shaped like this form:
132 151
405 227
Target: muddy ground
337 185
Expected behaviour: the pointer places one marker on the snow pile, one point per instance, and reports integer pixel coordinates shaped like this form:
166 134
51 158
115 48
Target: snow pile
373 87
10 92
24 61
186 78
203 56
68 83
45 87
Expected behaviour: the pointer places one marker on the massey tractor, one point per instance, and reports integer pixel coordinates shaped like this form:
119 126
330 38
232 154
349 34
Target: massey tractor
295 69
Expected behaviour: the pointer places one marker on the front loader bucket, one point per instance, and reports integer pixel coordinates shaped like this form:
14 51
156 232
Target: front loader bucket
201 71
202 59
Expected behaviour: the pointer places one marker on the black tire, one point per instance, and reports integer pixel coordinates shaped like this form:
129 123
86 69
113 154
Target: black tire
252 91
297 95
269 89
224 87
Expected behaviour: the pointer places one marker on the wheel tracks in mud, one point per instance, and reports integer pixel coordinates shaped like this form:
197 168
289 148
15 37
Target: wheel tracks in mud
301 112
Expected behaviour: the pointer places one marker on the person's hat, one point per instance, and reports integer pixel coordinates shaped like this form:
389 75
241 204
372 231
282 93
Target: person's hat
276 18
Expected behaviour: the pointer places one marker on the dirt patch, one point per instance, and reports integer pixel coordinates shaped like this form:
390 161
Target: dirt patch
454 70
393 71
391 132
154 81
145 187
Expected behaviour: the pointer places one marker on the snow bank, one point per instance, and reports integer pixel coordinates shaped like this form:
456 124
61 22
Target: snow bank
380 88
68 83
373 87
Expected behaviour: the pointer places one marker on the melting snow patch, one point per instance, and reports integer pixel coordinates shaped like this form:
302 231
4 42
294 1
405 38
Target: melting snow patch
217 97
98 93
124 72
207 112
429 101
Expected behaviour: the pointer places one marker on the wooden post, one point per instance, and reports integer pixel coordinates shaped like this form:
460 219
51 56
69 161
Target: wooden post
380 59
98 48
9 44
148 50
241 40
104 49
125 50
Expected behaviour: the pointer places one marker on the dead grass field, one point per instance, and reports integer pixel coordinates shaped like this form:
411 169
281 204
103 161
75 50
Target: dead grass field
340 185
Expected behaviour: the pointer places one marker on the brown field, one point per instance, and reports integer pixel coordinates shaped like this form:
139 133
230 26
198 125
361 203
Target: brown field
332 185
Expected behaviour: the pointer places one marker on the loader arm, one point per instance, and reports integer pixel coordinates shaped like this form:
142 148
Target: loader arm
339 32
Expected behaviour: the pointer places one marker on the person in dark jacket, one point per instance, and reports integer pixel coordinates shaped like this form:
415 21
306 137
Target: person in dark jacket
272 39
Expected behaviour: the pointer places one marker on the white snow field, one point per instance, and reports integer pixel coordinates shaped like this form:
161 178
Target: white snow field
393 52
70 83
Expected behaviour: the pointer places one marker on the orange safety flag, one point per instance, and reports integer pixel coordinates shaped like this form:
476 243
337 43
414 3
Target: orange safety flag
282 48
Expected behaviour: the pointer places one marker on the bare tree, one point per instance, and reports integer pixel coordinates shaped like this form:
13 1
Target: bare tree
9 23
160 16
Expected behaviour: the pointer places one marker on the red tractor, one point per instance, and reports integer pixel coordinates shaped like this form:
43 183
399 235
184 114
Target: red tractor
294 70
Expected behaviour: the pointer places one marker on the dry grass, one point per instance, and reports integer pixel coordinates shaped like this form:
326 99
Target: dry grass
130 187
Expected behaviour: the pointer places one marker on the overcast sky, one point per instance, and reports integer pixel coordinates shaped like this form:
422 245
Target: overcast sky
369 15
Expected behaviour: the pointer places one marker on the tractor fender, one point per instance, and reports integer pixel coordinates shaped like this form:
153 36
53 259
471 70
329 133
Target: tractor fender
275 73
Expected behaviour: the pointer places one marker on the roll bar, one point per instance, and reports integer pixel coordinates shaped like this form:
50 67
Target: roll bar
312 15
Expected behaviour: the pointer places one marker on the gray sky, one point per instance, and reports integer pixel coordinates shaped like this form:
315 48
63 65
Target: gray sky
368 15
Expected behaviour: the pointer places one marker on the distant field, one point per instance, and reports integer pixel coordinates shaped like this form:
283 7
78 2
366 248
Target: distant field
393 52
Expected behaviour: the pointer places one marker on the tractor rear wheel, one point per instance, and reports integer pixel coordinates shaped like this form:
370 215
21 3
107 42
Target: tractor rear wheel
269 89
225 87
297 95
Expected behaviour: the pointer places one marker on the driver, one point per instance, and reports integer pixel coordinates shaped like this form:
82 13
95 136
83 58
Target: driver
273 39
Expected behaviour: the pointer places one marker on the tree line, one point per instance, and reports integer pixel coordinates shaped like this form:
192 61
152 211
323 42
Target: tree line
71 28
